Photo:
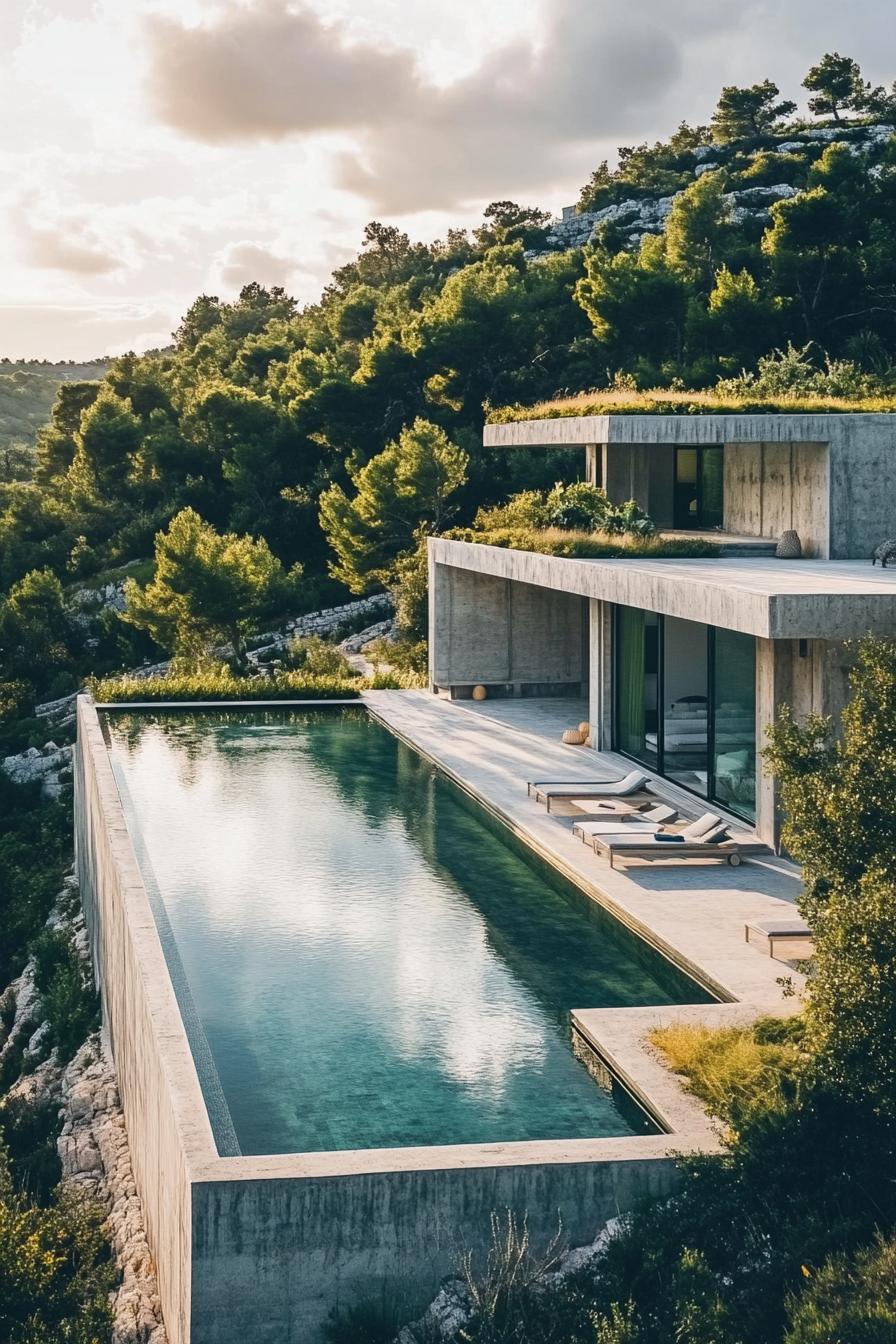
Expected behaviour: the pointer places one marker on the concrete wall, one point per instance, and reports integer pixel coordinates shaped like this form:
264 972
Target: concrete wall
138 1004
491 630
812 677
644 472
273 1258
770 487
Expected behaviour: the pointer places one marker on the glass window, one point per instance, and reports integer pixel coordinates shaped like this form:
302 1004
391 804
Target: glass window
637 677
734 698
699 488
710 488
686 703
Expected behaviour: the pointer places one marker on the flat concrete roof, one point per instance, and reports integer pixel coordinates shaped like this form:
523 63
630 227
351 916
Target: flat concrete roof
685 430
764 596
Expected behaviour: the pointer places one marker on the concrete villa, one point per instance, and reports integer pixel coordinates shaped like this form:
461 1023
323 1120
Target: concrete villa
362 990
680 664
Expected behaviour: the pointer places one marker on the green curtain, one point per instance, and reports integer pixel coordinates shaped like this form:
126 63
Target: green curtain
630 670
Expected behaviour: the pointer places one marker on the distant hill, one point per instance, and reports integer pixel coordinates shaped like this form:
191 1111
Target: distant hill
27 392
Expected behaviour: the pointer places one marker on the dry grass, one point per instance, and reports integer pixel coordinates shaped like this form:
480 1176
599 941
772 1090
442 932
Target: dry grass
592 545
734 1069
663 401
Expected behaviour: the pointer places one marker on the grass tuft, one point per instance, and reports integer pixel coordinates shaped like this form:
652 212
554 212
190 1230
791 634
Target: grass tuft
735 1070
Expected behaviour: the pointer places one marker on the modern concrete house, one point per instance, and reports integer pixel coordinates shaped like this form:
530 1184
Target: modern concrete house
682 663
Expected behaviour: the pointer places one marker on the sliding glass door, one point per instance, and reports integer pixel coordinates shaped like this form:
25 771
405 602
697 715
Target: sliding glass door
734 729
637 679
686 705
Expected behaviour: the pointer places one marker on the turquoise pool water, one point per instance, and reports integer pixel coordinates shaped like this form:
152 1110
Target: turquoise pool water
360 960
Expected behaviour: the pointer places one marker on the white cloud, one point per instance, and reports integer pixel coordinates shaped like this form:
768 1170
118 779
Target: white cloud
152 166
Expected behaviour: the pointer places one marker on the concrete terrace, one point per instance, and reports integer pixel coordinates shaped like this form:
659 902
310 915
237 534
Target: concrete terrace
695 913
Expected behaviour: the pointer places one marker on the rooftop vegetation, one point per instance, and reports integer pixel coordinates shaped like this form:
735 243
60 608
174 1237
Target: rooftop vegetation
671 401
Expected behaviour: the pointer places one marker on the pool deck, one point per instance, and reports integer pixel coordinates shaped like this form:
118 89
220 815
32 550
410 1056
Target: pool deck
694 913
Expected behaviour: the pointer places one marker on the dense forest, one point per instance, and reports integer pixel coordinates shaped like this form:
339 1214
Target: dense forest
273 458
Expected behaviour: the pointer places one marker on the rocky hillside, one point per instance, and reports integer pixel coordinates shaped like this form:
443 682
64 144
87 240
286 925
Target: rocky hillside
774 170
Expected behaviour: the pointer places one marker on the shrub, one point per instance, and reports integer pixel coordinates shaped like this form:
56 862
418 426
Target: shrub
316 657
55 1269
63 979
850 1300
837 798
736 1070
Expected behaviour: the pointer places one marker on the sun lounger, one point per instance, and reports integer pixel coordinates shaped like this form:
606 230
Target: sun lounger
639 823
705 838
546 791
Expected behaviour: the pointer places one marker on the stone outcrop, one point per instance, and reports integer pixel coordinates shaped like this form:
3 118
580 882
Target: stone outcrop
451 1309
49 765
640 216
93 1150
92 1144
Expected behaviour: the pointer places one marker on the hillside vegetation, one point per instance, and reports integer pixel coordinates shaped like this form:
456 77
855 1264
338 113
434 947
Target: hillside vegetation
276 458
27 391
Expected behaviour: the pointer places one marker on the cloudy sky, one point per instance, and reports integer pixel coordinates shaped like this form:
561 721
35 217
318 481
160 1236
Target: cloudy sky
151 150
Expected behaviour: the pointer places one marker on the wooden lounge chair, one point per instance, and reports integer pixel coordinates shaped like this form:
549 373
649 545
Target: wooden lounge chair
545 791
640 823
706 838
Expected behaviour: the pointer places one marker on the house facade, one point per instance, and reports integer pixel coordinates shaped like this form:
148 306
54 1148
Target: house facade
681 664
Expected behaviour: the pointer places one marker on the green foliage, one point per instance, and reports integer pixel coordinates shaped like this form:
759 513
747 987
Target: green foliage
793 373
38 638
747 114
55 1271
208 589
401 491
848 1300
316 657
27 392
68 998
837 799
222 684
836 85
35 848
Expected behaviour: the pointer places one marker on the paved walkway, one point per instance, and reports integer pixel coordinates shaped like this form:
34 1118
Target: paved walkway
694 913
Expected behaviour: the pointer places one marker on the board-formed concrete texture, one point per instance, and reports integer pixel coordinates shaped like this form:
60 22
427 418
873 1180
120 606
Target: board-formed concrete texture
831 477
263 1248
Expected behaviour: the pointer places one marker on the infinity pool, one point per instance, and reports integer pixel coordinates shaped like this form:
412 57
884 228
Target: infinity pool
360 960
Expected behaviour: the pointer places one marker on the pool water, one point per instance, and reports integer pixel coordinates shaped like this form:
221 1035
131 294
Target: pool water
361 961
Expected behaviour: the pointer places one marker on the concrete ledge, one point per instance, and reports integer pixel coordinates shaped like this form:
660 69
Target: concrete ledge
687 430
757 595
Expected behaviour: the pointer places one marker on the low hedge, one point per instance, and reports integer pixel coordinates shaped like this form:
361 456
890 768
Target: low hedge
590 545
219 686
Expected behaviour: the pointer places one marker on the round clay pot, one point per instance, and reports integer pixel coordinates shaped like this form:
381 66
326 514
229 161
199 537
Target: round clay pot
480 693
574 737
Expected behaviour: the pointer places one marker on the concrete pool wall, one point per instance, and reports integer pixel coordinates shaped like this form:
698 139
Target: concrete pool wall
264 1248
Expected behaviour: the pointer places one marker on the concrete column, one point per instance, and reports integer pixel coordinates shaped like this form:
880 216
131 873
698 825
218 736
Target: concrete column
593 463
774 687
600 680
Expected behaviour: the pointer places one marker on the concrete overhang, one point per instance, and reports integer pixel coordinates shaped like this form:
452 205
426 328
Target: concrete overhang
770 598
689 430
